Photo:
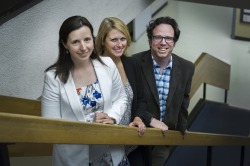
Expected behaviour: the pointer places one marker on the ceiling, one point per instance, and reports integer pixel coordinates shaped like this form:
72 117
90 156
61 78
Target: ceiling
244 4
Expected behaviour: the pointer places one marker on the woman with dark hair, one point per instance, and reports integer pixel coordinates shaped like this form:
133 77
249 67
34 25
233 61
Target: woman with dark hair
81 86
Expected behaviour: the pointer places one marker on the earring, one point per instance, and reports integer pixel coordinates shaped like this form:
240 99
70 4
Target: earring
67 51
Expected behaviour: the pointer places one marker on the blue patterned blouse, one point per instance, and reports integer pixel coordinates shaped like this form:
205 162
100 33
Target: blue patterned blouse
91 100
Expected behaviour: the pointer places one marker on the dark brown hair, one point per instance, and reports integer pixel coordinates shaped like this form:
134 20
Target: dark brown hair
64 62
163 20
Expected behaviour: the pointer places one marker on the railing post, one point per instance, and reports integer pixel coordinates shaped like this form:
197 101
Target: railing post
209 156
204 91
225 99
4 155
242 155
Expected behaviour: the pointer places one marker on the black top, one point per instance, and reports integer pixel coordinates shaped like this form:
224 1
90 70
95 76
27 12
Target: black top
139 104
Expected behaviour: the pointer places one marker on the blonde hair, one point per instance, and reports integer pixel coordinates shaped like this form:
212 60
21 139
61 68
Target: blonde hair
107 25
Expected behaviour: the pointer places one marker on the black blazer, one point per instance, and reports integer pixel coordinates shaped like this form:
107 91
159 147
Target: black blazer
178 97
139 104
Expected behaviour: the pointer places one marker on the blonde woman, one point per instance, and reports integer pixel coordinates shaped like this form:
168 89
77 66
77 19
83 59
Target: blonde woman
112 40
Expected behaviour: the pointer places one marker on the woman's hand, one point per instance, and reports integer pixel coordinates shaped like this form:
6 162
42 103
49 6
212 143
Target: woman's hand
159 125
137 122
101 117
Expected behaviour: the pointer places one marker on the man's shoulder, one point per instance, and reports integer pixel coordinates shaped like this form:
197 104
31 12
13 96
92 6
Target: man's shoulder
141 54
182 60
184 64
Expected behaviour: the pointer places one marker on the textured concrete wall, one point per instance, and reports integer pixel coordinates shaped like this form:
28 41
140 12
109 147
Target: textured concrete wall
29 41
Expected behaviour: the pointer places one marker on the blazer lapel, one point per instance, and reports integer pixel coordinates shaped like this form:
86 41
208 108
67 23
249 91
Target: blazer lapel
73 98
147 66
102 78
175 78
129 70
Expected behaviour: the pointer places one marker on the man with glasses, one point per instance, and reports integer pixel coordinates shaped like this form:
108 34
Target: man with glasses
167 80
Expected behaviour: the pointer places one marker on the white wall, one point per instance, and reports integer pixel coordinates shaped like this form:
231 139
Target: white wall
29 41
207 28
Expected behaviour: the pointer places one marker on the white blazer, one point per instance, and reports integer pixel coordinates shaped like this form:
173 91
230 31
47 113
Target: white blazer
60 101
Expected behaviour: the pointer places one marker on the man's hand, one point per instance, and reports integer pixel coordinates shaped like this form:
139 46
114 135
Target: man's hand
159 125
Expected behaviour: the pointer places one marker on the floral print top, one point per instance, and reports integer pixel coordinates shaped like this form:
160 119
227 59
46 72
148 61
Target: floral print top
91 100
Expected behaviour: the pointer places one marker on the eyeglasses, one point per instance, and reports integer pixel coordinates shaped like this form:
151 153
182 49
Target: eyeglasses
168 39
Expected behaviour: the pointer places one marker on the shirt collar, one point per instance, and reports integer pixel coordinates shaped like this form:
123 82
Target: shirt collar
169 66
